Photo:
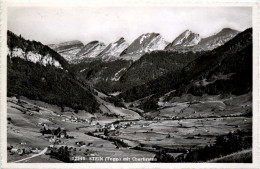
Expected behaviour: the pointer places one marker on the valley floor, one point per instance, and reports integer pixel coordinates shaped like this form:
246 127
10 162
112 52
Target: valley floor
177 124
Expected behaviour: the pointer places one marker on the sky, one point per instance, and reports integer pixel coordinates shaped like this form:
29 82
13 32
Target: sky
107 24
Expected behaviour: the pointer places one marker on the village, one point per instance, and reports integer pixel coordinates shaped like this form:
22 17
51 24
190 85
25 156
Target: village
173 130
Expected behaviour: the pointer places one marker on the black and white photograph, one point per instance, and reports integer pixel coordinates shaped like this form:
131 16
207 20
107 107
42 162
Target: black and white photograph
129 84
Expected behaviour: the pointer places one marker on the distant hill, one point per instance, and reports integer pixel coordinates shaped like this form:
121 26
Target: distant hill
103 75
154 65
120 75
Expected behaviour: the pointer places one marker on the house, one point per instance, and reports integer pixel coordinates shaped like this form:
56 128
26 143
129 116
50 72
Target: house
80 143
145 125
112 127
54 140
63 134
36 150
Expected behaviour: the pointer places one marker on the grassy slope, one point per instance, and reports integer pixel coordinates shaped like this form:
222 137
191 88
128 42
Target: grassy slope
244 156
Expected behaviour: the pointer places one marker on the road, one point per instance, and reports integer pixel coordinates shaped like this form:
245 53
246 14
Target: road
35 155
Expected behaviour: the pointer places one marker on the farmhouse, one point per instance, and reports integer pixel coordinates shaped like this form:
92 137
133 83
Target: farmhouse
112 127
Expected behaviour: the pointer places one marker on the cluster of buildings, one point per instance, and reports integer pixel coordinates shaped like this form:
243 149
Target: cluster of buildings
22 148
119 125
74 119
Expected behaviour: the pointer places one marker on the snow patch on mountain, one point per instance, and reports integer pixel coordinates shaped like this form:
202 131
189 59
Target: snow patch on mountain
117 76
113 50
182 38
91 50
82 70
144 37
157 43
186 39
145 43
70 54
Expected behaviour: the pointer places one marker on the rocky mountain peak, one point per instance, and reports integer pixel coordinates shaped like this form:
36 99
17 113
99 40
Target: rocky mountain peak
121 40
113 50
91 50
68 49
144 43
187 38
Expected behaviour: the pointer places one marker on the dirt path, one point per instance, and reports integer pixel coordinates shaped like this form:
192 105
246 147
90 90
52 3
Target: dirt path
35 155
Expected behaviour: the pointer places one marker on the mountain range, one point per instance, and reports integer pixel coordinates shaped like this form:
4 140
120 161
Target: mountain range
75 51
67 73
225 70
189 41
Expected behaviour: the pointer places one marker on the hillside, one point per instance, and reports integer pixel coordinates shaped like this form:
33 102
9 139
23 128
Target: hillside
244 156
46 82
103 75
155 64
121 75
33 51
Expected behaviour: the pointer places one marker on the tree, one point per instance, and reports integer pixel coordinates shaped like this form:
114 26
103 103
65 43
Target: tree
106 132
62 108
190 98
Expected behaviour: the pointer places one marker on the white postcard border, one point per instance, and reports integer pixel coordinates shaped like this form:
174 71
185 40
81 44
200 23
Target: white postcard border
256 83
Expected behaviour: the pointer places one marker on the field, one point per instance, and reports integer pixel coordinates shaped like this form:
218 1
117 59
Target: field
24 126
176 124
